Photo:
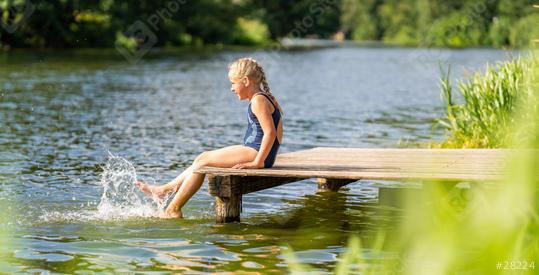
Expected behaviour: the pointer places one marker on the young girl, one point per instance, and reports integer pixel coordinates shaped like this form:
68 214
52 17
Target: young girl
260 143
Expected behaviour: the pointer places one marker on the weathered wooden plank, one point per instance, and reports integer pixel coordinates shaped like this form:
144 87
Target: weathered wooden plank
389 164
393 157
426 163
344 174
411 150
498 161
384 166
359 157
330 157
382 156
395 165
404 152
382 152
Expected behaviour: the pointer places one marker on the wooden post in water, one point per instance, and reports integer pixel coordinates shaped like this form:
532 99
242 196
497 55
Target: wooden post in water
227 192
331 184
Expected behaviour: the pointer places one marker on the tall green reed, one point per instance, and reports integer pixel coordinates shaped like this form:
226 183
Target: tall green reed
489 101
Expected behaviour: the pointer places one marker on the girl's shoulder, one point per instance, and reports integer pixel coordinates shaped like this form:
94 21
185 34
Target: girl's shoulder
261 101
261 98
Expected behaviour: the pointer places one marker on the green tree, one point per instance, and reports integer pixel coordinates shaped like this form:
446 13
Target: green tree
102 23
398 21
524 31
455 31
358 20
499 31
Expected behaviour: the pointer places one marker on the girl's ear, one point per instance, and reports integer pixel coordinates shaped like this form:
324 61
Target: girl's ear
245 81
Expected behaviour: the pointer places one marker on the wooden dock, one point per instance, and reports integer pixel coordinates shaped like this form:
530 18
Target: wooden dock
336 167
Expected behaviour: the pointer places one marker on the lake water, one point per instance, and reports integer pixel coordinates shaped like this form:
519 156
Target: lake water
76 124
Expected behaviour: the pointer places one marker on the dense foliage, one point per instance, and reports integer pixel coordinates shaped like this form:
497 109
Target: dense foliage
454 23
79 24
102 23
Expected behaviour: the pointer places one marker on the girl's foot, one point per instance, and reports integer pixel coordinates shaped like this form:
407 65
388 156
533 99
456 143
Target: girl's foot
149 190
171 214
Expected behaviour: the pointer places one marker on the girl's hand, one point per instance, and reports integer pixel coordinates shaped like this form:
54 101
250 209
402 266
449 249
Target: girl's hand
248 165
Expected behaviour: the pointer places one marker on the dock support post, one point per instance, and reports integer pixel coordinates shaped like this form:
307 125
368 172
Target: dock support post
331 184
227 209
227 190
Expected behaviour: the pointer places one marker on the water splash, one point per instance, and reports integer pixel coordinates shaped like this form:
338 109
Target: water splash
121 198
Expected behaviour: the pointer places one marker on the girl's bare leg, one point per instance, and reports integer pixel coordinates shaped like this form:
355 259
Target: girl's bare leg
225 157
160 191
189 187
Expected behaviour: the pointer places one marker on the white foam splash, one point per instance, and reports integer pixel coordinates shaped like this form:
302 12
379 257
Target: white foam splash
121 198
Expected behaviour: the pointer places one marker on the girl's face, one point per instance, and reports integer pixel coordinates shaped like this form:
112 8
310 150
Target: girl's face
239 86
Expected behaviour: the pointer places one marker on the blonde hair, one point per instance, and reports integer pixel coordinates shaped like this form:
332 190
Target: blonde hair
249 67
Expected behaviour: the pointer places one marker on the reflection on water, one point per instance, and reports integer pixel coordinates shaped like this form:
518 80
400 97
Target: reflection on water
75 210
317 225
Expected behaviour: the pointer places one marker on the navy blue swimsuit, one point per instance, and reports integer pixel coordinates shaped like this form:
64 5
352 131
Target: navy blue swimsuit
253 135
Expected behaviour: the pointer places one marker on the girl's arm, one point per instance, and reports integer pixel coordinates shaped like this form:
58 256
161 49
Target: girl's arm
262 108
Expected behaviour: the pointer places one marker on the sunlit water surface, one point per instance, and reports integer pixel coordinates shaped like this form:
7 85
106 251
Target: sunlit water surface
78 130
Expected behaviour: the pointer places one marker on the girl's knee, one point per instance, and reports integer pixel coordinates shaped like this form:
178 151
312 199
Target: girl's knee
201 159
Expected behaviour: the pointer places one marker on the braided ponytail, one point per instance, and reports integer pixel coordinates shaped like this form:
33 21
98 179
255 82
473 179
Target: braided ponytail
249 67
266 88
